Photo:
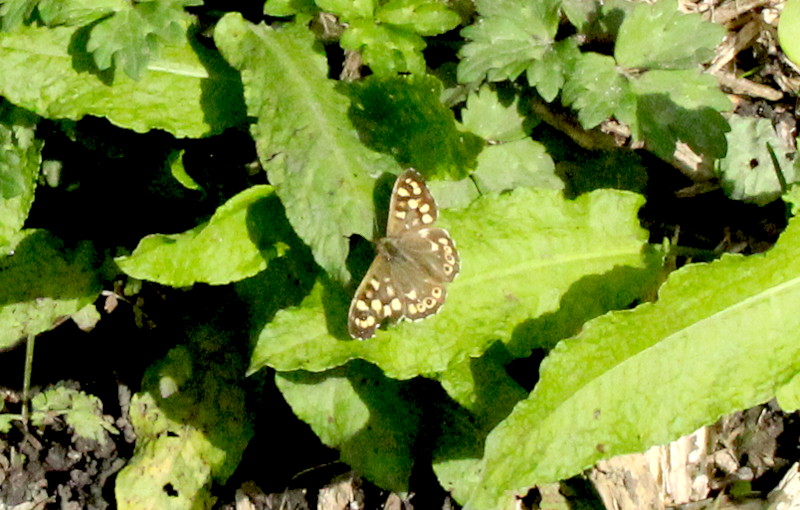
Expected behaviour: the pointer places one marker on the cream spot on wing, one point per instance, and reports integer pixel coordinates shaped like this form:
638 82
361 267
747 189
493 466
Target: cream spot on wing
402 191
427 219
444 240
376 305
429 302
390 291
400 215
412 309
362 305
387 310
412 294
450 258
434 246
424 233
413 203
447 269
369 321
375 284
436 292
424 208
396 305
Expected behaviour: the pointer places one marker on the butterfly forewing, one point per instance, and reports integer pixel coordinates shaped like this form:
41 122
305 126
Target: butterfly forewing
414 262
412 206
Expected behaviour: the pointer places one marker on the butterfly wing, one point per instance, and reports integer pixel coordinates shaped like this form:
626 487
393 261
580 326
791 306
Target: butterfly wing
412 206
375 299
425 260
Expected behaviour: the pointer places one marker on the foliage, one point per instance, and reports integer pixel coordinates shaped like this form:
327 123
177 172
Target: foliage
82 412
130 134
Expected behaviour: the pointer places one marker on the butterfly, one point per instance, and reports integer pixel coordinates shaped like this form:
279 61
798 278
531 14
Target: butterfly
413 264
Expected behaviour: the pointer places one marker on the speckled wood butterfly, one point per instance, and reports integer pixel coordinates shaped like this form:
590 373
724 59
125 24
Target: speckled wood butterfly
413 264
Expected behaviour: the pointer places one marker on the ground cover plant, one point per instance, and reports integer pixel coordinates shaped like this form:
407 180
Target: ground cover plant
189 192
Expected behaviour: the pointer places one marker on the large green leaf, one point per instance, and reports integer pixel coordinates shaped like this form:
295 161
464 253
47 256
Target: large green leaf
369 418
188 90
534 266
237 242
721 337
42 281
304 137
191 429
402 116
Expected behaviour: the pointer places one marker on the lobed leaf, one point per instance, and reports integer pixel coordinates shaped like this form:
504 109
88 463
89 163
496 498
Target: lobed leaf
508 37
423 17
747 172
721 337
387 49
19 168
491 119
654 36
304 138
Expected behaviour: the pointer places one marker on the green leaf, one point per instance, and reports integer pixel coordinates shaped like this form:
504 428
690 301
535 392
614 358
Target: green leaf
747 172
492 119
237 242
655 36
178 171
511 165
789 30
598 91
283 8
19 168
131 37
552 265
15 12
77 12
402 116
42 281
82 412
549 73
191 92
305 141
508 37
348 10
386 49
681 106
722 337
371 419
423 17
191 428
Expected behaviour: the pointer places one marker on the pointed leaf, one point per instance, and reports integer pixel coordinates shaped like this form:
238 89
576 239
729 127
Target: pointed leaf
721 337
189 91
305 141
237 242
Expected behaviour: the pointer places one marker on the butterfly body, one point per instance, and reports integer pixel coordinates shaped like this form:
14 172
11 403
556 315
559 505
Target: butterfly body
412 265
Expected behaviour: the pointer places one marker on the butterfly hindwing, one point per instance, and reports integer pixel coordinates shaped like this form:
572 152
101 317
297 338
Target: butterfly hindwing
375 300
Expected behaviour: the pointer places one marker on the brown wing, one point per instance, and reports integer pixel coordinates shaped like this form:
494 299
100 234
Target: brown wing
375 300
412 206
